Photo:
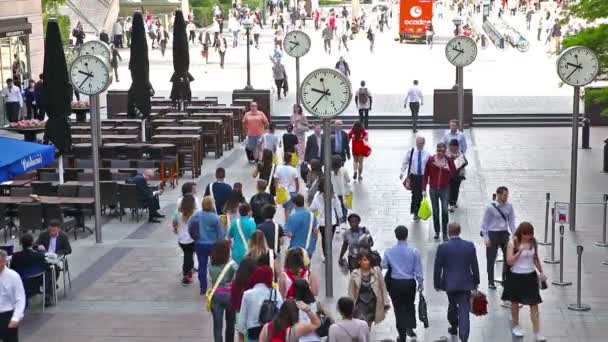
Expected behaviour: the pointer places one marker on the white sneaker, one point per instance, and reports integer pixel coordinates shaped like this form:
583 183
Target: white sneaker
518 331
506 304
539 338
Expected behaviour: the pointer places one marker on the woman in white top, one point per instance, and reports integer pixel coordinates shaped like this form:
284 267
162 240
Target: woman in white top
186 243
318 205
460 163
340 180
189 188
303 293
522 281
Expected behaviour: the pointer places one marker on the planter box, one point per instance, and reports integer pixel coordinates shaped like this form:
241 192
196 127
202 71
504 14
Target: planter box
445 106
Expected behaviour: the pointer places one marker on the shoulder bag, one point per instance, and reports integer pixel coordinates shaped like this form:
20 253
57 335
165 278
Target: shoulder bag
407 182
269 308
240 229
211 292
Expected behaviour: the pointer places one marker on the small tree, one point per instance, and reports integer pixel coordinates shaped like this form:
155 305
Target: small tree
50 9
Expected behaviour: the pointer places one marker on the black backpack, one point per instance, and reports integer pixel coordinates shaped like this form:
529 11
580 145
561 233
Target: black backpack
269 309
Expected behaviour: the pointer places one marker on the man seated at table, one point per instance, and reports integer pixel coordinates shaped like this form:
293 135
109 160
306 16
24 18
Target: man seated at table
148 197
28 261
54 240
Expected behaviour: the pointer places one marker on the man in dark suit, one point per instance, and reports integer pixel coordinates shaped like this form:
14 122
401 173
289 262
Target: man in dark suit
339 142
54 240
457 273
314 145
148 197
219 190
25 262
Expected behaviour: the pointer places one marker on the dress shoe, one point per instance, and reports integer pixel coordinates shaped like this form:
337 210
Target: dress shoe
158 215
153 220
453 331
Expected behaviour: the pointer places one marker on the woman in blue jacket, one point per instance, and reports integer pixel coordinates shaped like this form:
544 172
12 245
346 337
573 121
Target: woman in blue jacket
205 228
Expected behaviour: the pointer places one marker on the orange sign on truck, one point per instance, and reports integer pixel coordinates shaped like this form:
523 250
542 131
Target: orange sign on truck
414 15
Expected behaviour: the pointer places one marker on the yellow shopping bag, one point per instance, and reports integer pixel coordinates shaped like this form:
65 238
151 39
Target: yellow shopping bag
348 200
294 159
425 209
282 195
275 159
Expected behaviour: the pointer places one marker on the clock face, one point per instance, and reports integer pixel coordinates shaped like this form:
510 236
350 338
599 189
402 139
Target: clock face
461 51
96 47
577 66
326 93
90 74
296 43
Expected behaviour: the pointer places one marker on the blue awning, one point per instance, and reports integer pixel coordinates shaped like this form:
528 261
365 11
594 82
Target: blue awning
18 157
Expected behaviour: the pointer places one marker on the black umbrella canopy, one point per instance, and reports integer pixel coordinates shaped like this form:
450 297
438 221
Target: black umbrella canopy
56 89
181 61
138 100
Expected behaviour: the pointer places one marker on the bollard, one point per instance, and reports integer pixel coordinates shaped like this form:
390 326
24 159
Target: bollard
605 155
547 205
552 259
586 133
561 281
603 243
579 306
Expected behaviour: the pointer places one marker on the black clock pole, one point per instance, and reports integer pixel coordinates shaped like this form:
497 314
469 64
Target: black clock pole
95 145
574 156
298 81
460 85
327 199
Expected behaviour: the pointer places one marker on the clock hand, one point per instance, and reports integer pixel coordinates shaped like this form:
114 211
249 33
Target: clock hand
319 100
576 69
85 73
320 91
455 49
85 79
294 45
574 65
458 54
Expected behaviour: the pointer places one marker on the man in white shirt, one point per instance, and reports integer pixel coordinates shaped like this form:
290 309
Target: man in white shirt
12 301
287 176
414 99
413 168
454 134
13 100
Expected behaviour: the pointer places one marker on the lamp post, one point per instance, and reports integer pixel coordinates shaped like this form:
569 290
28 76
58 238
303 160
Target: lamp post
248 24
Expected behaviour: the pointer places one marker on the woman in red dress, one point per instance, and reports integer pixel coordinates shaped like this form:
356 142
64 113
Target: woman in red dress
360 148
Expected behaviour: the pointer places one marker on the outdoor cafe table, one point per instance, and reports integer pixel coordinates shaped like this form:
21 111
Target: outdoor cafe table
151 184
47 200
29 133
213 127
216 134
189 143
125 138
230 125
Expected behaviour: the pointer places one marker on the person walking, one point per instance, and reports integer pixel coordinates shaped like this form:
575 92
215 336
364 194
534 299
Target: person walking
363 101
340 144
205 229
256 31
314 145
414 99
327 35
78 34
287 326
221 274
12 101
114 61
371 37
205 39
430 32
460 163
356 240
413 168
367 288
163 37
556 36
290 142
454 134
259 201
360 148
303 293
127 29
437 173
349 328
302 227
181 217
456 272
496 226
340 181
29 94
12 301
104 36
191 29
234 27
117 33
240 231
539 28
280 77
344 31
343 67
286 176
265 170
522 280
39 98
222 46
403 278
318 206
254 123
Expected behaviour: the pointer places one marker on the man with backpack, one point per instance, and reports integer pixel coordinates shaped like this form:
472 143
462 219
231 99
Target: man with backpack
363 100
260 200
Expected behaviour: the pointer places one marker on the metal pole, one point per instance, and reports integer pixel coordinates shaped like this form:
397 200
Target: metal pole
329 286
574 158
298 81
552 259
578 306
95 144
603 243
547 205
249 87
561 281
460 97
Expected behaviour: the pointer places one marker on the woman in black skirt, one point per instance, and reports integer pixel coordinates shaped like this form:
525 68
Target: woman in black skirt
522 279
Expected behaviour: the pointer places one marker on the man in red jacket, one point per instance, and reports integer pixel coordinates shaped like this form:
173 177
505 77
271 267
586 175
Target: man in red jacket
437 173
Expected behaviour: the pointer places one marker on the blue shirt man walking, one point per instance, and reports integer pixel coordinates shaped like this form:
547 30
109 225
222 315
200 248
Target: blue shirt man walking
457 273
299 227
404 276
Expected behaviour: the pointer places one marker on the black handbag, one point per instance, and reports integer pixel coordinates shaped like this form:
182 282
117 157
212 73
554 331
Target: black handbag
326 322
422 311
269 309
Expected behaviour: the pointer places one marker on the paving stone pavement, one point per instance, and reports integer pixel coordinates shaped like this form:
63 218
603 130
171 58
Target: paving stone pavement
127 289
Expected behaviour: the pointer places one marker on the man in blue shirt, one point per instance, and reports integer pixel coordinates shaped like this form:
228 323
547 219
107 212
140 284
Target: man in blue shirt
299 227
404 272
219 190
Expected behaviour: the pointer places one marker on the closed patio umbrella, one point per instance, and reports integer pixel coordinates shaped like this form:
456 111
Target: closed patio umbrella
138 99
181 78
57 92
